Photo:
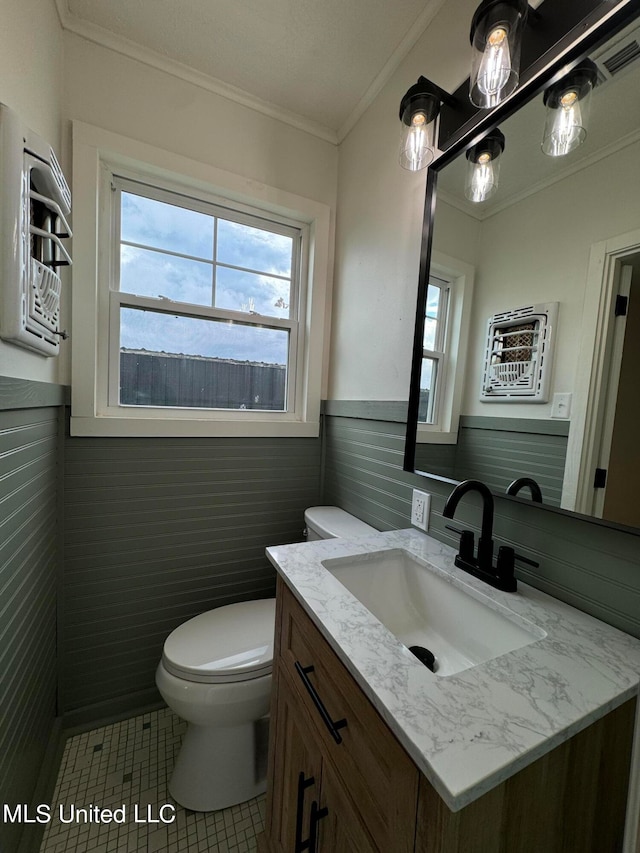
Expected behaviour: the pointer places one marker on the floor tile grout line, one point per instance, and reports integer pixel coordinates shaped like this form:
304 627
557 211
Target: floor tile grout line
126 767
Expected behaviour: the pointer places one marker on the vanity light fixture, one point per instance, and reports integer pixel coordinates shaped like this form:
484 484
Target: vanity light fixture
484 167
419 109
496 40
568 104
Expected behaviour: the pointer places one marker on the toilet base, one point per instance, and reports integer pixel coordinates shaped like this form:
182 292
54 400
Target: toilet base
220 767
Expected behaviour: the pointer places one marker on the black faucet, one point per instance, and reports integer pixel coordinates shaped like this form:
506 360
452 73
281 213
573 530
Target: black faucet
502 574
521 483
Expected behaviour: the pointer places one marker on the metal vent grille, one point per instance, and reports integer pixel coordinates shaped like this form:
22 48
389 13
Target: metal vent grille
60 180
622 58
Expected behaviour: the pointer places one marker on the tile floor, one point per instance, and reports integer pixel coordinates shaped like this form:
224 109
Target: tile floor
128 764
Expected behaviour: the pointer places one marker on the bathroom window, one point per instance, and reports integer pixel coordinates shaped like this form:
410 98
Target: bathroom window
432 375
446 331
199 297
204 304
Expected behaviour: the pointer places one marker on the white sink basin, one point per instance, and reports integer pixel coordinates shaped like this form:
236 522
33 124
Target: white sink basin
457 624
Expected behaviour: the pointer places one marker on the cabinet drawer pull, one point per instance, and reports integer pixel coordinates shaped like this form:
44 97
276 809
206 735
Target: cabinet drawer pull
316 816
303 784
333 726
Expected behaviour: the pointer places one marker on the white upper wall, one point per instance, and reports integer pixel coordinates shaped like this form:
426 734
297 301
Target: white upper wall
120 94
31 54
380 212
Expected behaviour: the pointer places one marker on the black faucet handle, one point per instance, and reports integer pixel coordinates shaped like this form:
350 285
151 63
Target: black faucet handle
506 558
526 560
467 543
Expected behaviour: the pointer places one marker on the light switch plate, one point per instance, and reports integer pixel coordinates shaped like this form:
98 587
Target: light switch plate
561 406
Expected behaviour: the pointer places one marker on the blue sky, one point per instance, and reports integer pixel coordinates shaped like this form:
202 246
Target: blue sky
146 272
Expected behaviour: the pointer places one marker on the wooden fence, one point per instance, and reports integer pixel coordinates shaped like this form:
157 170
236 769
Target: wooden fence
167 379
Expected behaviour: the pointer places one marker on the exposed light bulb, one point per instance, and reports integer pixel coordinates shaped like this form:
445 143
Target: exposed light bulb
568 106
496 42
482 180
416 140
495 66
419 110
483 168
567 131
417 144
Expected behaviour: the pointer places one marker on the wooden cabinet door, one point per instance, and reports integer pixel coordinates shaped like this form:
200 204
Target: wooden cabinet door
294 782
341 828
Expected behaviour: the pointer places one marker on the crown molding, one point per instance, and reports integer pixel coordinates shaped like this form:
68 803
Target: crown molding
399 54
126 47
132 50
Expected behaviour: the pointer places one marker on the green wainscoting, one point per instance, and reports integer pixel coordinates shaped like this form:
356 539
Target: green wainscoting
29 449
499 450
592 567
157 531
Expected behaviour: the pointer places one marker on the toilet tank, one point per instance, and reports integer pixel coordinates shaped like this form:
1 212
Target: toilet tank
331 522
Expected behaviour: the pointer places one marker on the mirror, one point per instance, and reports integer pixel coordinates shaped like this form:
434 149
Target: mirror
531 361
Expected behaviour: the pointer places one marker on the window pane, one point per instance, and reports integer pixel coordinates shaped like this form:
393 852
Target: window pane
169 360
166 226
148 273
253 248
432 317
246 291
428 378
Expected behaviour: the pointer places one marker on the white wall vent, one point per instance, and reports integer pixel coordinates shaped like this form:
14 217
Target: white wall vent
519 354
34 202
619 55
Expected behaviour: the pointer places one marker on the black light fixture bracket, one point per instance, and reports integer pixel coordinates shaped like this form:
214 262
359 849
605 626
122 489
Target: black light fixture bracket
480 16
491 144
426 96
549 30
582 78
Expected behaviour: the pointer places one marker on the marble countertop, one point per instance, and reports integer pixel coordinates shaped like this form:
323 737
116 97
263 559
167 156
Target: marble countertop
469 731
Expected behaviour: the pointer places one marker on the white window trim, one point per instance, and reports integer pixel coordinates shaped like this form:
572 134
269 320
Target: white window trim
461 277
439 353
96 155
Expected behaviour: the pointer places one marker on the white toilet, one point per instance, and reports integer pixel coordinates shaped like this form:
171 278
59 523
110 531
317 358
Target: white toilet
215 673
330 522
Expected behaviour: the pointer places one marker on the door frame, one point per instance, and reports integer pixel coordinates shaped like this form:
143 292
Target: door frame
593 368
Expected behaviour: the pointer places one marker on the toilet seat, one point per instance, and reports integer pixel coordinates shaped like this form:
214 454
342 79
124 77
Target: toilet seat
228 644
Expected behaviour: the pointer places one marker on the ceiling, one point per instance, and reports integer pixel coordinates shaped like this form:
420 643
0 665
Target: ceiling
314 63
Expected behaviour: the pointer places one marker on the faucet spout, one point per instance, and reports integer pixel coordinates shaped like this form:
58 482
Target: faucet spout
487 504
525 482
481 566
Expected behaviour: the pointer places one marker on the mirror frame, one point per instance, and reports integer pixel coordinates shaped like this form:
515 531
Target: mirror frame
555 38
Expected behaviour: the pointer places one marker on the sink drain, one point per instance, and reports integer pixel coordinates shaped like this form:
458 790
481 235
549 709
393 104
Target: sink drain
425 656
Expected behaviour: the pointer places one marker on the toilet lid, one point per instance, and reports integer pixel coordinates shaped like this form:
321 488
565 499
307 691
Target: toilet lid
230 643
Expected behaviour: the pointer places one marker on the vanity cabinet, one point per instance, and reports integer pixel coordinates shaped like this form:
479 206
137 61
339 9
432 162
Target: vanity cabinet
329 746
340 782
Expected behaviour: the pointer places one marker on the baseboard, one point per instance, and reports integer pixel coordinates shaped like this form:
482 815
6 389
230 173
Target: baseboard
112 711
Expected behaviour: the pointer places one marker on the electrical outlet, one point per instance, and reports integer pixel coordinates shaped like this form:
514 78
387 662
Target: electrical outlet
420 502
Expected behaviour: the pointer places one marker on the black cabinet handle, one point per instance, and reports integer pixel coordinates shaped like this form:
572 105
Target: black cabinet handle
332 725
316 816
303 784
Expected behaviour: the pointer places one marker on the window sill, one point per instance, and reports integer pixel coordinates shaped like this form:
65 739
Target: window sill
110 426
435 436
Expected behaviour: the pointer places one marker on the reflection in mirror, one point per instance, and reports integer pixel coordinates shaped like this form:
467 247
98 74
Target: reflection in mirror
550 377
